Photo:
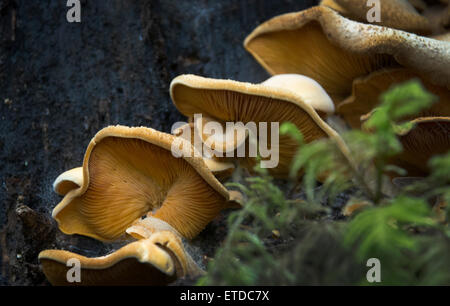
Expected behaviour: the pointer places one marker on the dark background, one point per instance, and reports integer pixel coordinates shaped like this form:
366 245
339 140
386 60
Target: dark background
61 82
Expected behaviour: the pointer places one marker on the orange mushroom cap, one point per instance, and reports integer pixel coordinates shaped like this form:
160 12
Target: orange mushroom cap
397 14
275 100
430 136
333 50
128 172
366 91
158 260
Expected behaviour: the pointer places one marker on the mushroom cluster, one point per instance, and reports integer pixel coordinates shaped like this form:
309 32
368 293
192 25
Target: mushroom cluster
132 187
324 61
355 62
282 98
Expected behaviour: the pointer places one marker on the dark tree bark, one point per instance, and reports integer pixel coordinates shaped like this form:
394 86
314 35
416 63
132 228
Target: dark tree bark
61 82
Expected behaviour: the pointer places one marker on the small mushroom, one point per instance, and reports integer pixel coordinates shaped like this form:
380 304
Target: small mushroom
128 172
228 141
222 170
333 50
284 98
397 14
355 206
366 91
157 260
71 179
430 136
144 228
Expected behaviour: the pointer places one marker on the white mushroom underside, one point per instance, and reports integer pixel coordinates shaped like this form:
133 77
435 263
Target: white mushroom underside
306 88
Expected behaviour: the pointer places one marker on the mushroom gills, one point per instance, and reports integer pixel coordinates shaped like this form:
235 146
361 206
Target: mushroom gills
429 137
129 177
366 95
307 51
231 101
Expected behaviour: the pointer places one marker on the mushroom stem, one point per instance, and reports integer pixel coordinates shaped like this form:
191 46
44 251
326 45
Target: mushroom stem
144 228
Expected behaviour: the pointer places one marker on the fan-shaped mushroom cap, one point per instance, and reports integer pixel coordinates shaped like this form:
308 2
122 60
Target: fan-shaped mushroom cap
397 14
333 50
232 101
430 136
158 260
71 179
128 172
366 91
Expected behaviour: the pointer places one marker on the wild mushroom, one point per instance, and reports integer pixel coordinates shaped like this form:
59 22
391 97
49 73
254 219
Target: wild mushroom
334 50
157 260
128 172
366 91
430 136
397 14
73 178
355 206
284 98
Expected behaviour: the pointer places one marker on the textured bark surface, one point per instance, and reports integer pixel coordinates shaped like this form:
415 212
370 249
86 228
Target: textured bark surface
61 82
